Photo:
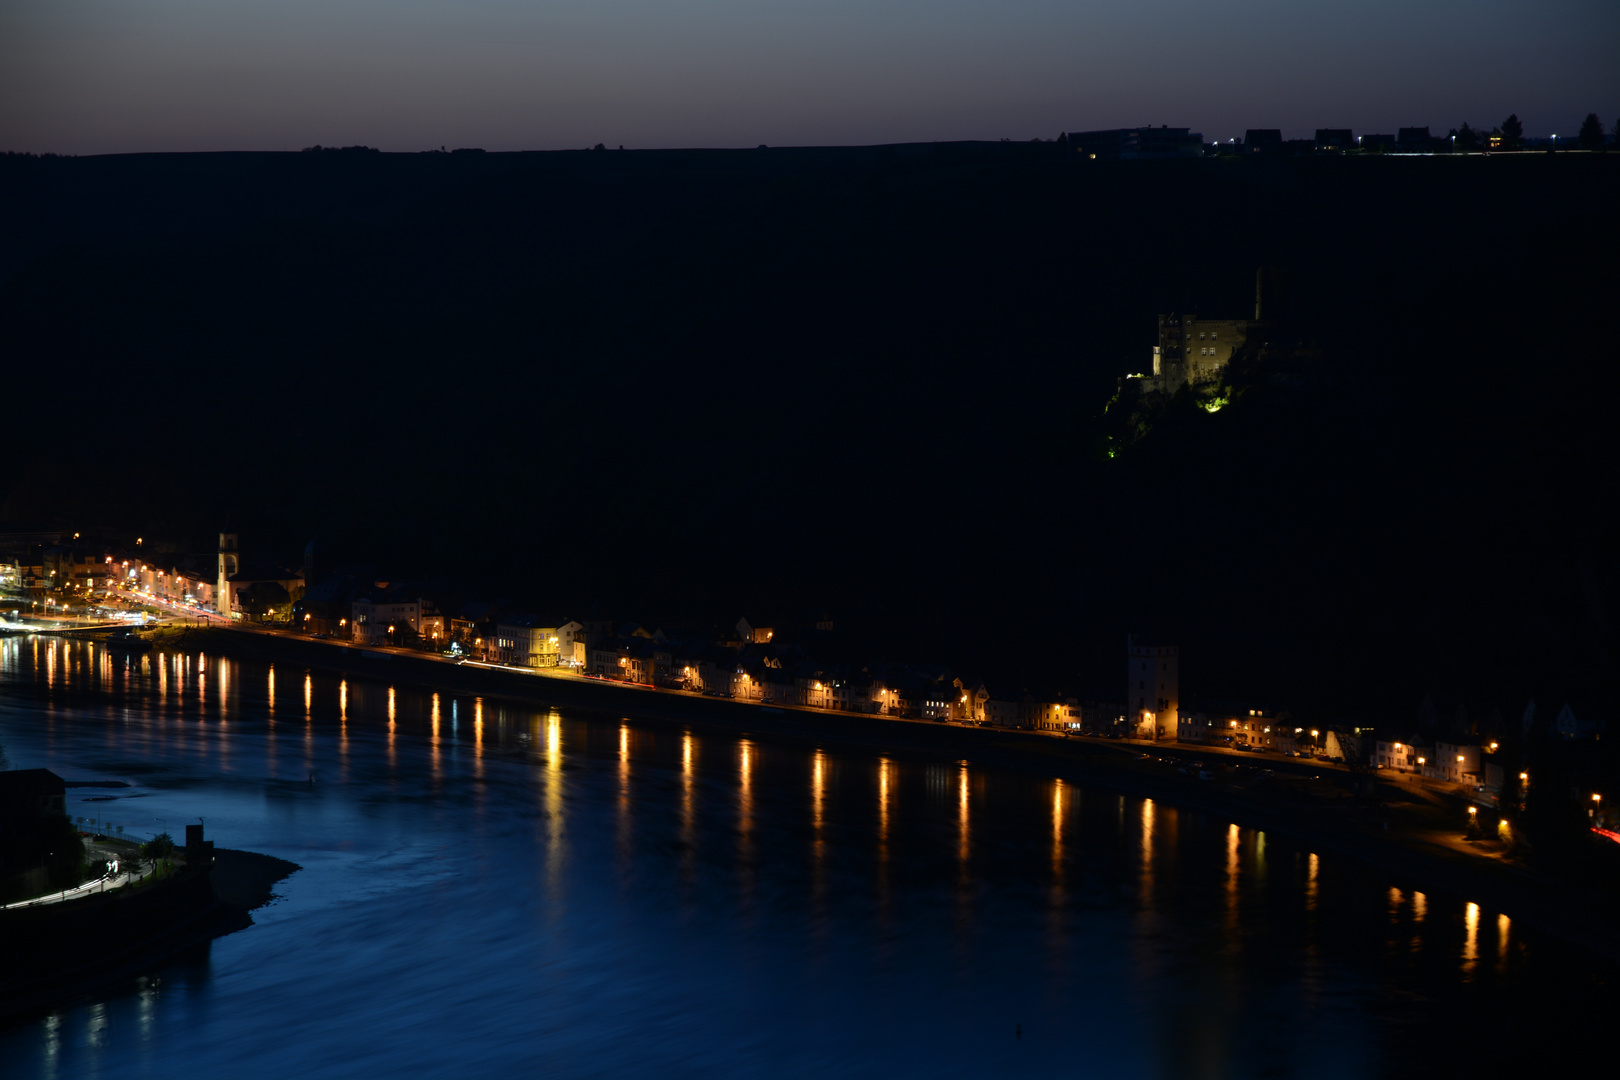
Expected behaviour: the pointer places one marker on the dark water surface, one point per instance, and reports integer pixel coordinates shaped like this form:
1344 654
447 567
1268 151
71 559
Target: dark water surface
490 889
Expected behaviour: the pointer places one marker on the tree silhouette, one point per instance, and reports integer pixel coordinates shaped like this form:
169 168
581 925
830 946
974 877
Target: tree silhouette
1467 139
403 633
1512 132
263 598
1591 132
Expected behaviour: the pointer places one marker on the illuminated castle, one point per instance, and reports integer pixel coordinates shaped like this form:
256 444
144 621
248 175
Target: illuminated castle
1193 351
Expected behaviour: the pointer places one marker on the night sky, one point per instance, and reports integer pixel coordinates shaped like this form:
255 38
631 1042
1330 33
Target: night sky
89 76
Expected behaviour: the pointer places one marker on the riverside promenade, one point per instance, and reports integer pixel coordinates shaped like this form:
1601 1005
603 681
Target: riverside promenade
1417 835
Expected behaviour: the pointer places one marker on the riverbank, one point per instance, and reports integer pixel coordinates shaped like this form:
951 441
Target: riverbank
1390 829
58 953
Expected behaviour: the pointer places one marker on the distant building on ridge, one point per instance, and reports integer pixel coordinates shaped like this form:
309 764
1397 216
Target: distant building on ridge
1414 140
1127 144
1263 141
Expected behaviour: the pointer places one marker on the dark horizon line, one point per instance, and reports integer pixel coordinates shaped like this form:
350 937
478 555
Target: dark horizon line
998 141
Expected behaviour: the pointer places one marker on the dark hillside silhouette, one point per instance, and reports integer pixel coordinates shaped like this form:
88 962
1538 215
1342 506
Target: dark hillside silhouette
684 383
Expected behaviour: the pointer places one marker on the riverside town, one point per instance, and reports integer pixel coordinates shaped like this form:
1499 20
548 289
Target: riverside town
1457 774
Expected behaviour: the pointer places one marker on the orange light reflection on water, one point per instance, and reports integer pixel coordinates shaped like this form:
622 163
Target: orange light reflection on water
1234 870
1470 950
434 750
556 813
745 795
624 797
745 823
883 808
964 824
1057 899
343 729
688 808
1057 830
818 840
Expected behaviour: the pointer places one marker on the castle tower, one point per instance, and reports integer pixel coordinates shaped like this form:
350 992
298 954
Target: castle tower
229 564
1271 300
1153 690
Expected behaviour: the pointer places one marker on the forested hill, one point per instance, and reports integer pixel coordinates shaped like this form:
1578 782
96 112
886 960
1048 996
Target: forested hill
704 382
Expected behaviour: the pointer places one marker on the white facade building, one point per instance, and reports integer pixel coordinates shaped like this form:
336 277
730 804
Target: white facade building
371 618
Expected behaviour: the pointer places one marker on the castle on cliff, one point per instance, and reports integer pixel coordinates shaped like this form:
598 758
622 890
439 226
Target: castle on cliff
1192 351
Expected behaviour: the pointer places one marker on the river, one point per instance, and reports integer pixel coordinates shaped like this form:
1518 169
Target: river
488 888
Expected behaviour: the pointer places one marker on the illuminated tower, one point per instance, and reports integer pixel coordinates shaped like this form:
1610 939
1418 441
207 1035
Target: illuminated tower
1153 690
229 563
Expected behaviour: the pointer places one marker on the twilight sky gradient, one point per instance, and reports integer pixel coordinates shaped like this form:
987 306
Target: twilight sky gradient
107 76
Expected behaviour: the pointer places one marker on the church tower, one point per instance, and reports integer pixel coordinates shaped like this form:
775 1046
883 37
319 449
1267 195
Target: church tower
1154 689
229 564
